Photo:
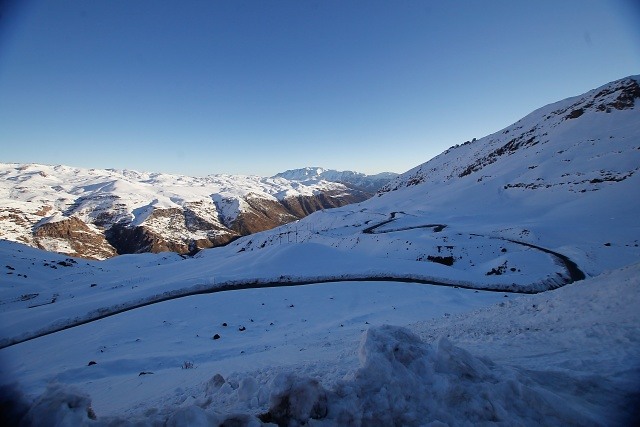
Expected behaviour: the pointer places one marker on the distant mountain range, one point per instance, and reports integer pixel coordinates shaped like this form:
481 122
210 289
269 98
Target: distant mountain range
97 213
355 180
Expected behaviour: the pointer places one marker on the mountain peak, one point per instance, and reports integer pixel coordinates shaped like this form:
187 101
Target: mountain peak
98 212
361 181
301 174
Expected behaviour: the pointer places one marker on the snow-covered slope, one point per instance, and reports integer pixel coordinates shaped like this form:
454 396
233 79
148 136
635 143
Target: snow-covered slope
563 178
98 213
322 353
267 327
580 144
369 183
460 230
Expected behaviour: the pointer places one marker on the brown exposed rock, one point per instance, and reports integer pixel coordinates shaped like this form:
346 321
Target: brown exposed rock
302 206
199 217
576 113
170 229
130 240
186 229
266 214
263 214
85 242
43 210
167 230
629 92
14 216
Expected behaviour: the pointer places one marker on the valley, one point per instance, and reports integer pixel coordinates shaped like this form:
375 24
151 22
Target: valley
97 214
497 283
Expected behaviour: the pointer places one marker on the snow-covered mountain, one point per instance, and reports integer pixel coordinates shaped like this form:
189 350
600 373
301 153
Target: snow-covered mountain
411 308
357 180
579 144
564 177
99 213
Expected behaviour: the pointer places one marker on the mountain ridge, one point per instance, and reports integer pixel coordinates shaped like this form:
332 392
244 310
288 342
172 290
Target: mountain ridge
549 202
473 156
555 179
370 183
98 213
555 157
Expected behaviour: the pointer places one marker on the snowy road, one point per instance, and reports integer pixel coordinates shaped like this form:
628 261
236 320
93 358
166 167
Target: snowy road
566 357
232 288
180 290
261 329
574 272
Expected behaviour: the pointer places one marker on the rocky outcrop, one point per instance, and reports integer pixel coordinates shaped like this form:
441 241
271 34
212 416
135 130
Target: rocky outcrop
73 237
302 206
173 229
264 214
260 215
185 229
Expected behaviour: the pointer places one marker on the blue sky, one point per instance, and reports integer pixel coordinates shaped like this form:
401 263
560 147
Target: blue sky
258 87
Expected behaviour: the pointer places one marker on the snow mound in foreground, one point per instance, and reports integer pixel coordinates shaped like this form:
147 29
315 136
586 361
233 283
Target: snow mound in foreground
402 381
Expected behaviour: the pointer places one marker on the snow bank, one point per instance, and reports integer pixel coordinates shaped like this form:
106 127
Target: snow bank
401 381
404 381
60 406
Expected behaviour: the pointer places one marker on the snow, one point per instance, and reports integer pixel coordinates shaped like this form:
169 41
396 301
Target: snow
64 186
126 282
353 316
324 318
45 193
308 175
568 357
467 353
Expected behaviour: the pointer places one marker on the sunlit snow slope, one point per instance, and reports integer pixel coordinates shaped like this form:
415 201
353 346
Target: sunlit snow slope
476 230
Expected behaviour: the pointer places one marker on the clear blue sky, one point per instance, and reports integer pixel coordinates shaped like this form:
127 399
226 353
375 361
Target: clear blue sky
257 87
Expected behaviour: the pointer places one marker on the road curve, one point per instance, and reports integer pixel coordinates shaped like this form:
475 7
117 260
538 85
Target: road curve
102 314
573 271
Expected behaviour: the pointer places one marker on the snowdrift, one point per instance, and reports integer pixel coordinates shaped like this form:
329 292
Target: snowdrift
401 381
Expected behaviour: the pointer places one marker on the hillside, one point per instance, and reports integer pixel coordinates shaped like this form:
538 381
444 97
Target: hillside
100 213
576 143
565 178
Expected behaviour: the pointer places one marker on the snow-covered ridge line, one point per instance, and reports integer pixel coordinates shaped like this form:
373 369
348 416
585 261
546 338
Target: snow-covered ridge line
370 183
98 213
549 135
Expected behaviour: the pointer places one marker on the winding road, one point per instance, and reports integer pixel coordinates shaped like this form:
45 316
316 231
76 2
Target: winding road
572 269
573 272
